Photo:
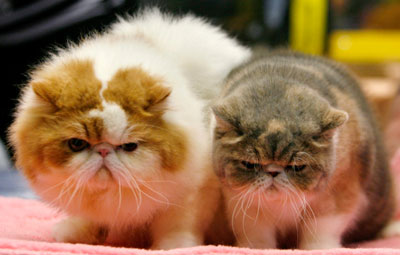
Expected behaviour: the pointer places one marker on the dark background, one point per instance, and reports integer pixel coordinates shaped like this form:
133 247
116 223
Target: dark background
30 29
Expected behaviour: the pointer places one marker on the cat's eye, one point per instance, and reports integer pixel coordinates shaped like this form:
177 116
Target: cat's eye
77 145
129 146
250 166
296 168
316 137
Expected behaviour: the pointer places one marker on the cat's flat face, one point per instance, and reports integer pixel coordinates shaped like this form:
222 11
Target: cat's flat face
277 139
98 135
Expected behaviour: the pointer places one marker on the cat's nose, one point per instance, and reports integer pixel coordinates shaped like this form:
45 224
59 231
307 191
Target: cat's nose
273 174
103 149
103 152
273 170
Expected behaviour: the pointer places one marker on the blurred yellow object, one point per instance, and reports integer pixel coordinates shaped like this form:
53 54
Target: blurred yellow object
365 46
308 21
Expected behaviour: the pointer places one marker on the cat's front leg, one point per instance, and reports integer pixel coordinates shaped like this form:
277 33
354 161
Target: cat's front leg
78 230
185 225
323 232
175 228
250 229
255 235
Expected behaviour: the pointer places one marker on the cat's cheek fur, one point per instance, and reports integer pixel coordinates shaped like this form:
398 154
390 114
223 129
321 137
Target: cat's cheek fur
144 164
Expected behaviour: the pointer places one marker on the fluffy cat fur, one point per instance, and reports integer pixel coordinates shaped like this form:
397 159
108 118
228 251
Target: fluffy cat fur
299 155
113 131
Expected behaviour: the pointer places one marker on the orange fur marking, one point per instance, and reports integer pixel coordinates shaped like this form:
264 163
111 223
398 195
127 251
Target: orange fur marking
72 90
143 98
72 85
135 91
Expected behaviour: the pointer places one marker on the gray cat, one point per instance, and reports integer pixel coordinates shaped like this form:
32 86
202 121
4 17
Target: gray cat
299 155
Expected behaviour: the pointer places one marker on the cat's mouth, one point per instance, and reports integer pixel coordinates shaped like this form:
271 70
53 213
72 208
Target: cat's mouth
272 187
102 178
104 174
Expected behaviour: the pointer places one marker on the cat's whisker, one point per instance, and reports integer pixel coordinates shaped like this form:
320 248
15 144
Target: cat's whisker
266 208
147 186
119 197
132 189
264 205
249 204
81 190
244 215
283 203
289 189
81 194
235 210
64 184
299 212
78 186
166 201
241 189
258 205
305 205
68 184
304 213
137 188
55 186
245 199
310 215
308 209
135 184
293 208
265 201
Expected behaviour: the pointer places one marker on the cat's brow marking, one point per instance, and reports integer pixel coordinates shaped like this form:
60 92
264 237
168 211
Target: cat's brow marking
114 119
275 126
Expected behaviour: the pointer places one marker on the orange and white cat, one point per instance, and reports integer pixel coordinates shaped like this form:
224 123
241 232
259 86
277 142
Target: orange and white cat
114 131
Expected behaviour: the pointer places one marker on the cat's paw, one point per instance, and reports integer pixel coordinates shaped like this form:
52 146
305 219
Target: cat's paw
267 242
183 240
76 230
321 245
392 229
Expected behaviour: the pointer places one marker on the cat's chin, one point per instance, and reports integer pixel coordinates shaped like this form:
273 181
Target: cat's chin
272 192
102 179
268 191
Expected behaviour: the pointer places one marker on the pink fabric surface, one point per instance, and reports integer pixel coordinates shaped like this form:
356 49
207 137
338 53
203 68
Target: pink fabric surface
25 228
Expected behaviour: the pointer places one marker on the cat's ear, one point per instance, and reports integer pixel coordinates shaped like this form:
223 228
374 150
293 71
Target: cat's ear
333 119
220 123
157 99
46 91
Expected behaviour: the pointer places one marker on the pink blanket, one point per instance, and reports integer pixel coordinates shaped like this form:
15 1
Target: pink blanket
25 228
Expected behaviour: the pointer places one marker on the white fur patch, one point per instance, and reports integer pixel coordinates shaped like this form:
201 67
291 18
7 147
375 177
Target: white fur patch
325 232
115 121
391 230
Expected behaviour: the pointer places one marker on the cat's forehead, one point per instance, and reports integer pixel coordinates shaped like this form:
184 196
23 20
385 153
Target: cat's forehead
286 127
105 107
276 108
276 126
